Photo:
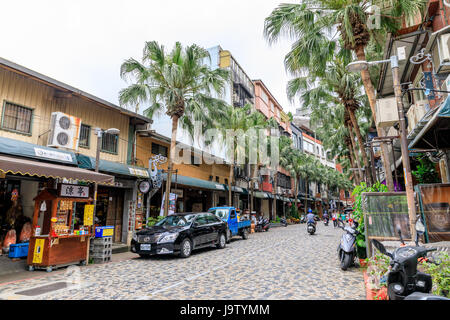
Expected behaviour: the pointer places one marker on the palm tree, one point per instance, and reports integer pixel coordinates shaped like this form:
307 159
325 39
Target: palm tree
178 83
339 86
312 23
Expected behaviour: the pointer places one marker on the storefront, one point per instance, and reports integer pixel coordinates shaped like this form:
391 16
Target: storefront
120 205
25 170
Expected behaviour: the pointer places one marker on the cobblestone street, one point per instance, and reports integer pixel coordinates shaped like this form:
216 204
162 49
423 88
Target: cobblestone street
284 263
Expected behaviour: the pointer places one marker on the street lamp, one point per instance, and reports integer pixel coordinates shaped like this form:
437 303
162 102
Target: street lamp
364 65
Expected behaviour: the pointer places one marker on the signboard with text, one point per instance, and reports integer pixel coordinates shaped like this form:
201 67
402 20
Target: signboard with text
74 191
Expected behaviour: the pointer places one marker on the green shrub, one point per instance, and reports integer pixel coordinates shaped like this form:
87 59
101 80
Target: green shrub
153 220
358 214
440 274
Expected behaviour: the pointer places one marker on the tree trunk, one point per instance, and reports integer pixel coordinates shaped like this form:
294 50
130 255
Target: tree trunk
306 196
173 142
296 193
230 183
355 150
370 91
274 193
352 163
361 145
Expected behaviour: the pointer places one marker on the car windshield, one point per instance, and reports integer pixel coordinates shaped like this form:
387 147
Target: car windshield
220 213
176 221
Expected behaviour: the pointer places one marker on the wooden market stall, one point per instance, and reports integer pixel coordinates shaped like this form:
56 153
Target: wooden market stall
66 215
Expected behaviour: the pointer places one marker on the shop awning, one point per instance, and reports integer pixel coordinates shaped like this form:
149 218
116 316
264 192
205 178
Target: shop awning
87 162
49 170
236 189
261 195
434 130
29 150
194 182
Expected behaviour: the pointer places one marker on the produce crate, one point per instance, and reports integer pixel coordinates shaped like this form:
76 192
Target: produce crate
104 232
18 250
102 241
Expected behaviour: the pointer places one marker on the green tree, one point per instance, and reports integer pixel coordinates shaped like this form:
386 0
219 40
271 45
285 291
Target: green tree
178 83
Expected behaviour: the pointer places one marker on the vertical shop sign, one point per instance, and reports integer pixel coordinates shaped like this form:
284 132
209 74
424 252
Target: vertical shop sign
89 215
38 250
172 204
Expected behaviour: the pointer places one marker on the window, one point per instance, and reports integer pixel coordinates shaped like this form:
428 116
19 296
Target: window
265 97
195 160
232 214
212 218
85 133
110 142
217 179
226 181
16 118
159 149
201 219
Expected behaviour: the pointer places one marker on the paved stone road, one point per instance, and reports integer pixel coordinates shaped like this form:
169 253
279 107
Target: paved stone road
284 263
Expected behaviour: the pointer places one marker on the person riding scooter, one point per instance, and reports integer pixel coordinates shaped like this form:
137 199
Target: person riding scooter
310 217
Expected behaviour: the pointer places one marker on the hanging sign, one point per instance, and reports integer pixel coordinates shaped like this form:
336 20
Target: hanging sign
172 204
88 215
74 191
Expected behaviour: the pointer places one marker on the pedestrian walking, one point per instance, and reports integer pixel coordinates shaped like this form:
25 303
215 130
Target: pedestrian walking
334 218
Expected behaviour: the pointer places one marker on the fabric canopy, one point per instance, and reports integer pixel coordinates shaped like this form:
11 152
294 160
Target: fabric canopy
49 170
194 182
434 129
87 162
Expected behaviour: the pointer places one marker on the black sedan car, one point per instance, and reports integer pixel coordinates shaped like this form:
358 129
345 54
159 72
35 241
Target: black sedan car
180 234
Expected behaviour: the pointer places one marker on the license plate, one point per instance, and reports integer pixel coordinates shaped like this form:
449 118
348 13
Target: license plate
146 247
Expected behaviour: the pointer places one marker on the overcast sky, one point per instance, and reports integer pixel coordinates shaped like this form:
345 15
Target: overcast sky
83 43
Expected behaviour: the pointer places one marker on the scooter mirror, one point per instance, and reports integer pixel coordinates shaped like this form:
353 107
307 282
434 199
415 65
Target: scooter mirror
379 246
420 227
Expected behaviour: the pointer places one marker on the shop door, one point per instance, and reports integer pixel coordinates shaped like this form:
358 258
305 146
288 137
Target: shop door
115 213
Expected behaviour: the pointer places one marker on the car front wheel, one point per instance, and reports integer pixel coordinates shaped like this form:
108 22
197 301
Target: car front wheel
222 241
185 248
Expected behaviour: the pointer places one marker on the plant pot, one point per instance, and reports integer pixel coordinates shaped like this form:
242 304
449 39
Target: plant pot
381 294
363 263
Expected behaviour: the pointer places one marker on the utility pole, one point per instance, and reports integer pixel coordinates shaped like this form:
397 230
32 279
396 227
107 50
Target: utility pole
404 146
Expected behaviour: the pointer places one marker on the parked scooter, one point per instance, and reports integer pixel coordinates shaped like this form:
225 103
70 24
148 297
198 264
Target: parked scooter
326 219
403 280
347 246
283 222
263 224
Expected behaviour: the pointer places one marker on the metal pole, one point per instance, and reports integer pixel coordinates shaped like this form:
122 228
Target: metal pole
97 160
404 146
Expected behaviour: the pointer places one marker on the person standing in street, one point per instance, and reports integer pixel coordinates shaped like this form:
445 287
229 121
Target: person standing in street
334 218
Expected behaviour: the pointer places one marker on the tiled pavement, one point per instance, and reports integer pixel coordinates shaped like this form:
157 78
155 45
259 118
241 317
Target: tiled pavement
284 263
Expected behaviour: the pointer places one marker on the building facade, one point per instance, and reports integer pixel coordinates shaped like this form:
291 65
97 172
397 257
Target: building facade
34 112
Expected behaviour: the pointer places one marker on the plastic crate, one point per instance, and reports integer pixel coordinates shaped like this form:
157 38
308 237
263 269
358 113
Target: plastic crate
101 260
104 232
18 250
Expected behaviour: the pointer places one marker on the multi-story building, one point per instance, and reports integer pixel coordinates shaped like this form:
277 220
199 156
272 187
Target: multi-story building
51 127
297 137
423 47
279 194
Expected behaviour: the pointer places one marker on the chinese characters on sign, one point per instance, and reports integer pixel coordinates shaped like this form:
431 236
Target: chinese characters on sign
88 215
70 190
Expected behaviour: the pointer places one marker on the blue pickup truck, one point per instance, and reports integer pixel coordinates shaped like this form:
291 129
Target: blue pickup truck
236 226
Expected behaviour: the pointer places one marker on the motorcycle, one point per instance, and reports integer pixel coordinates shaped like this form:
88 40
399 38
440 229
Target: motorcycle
326 220
403 280
347 247
311 228
263 224
283 222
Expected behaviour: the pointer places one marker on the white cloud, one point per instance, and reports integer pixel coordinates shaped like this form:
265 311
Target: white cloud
83 43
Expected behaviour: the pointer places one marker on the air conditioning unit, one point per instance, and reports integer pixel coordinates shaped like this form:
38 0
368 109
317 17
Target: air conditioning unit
441 53
387 113
144 127
416 113
446 84
64 131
